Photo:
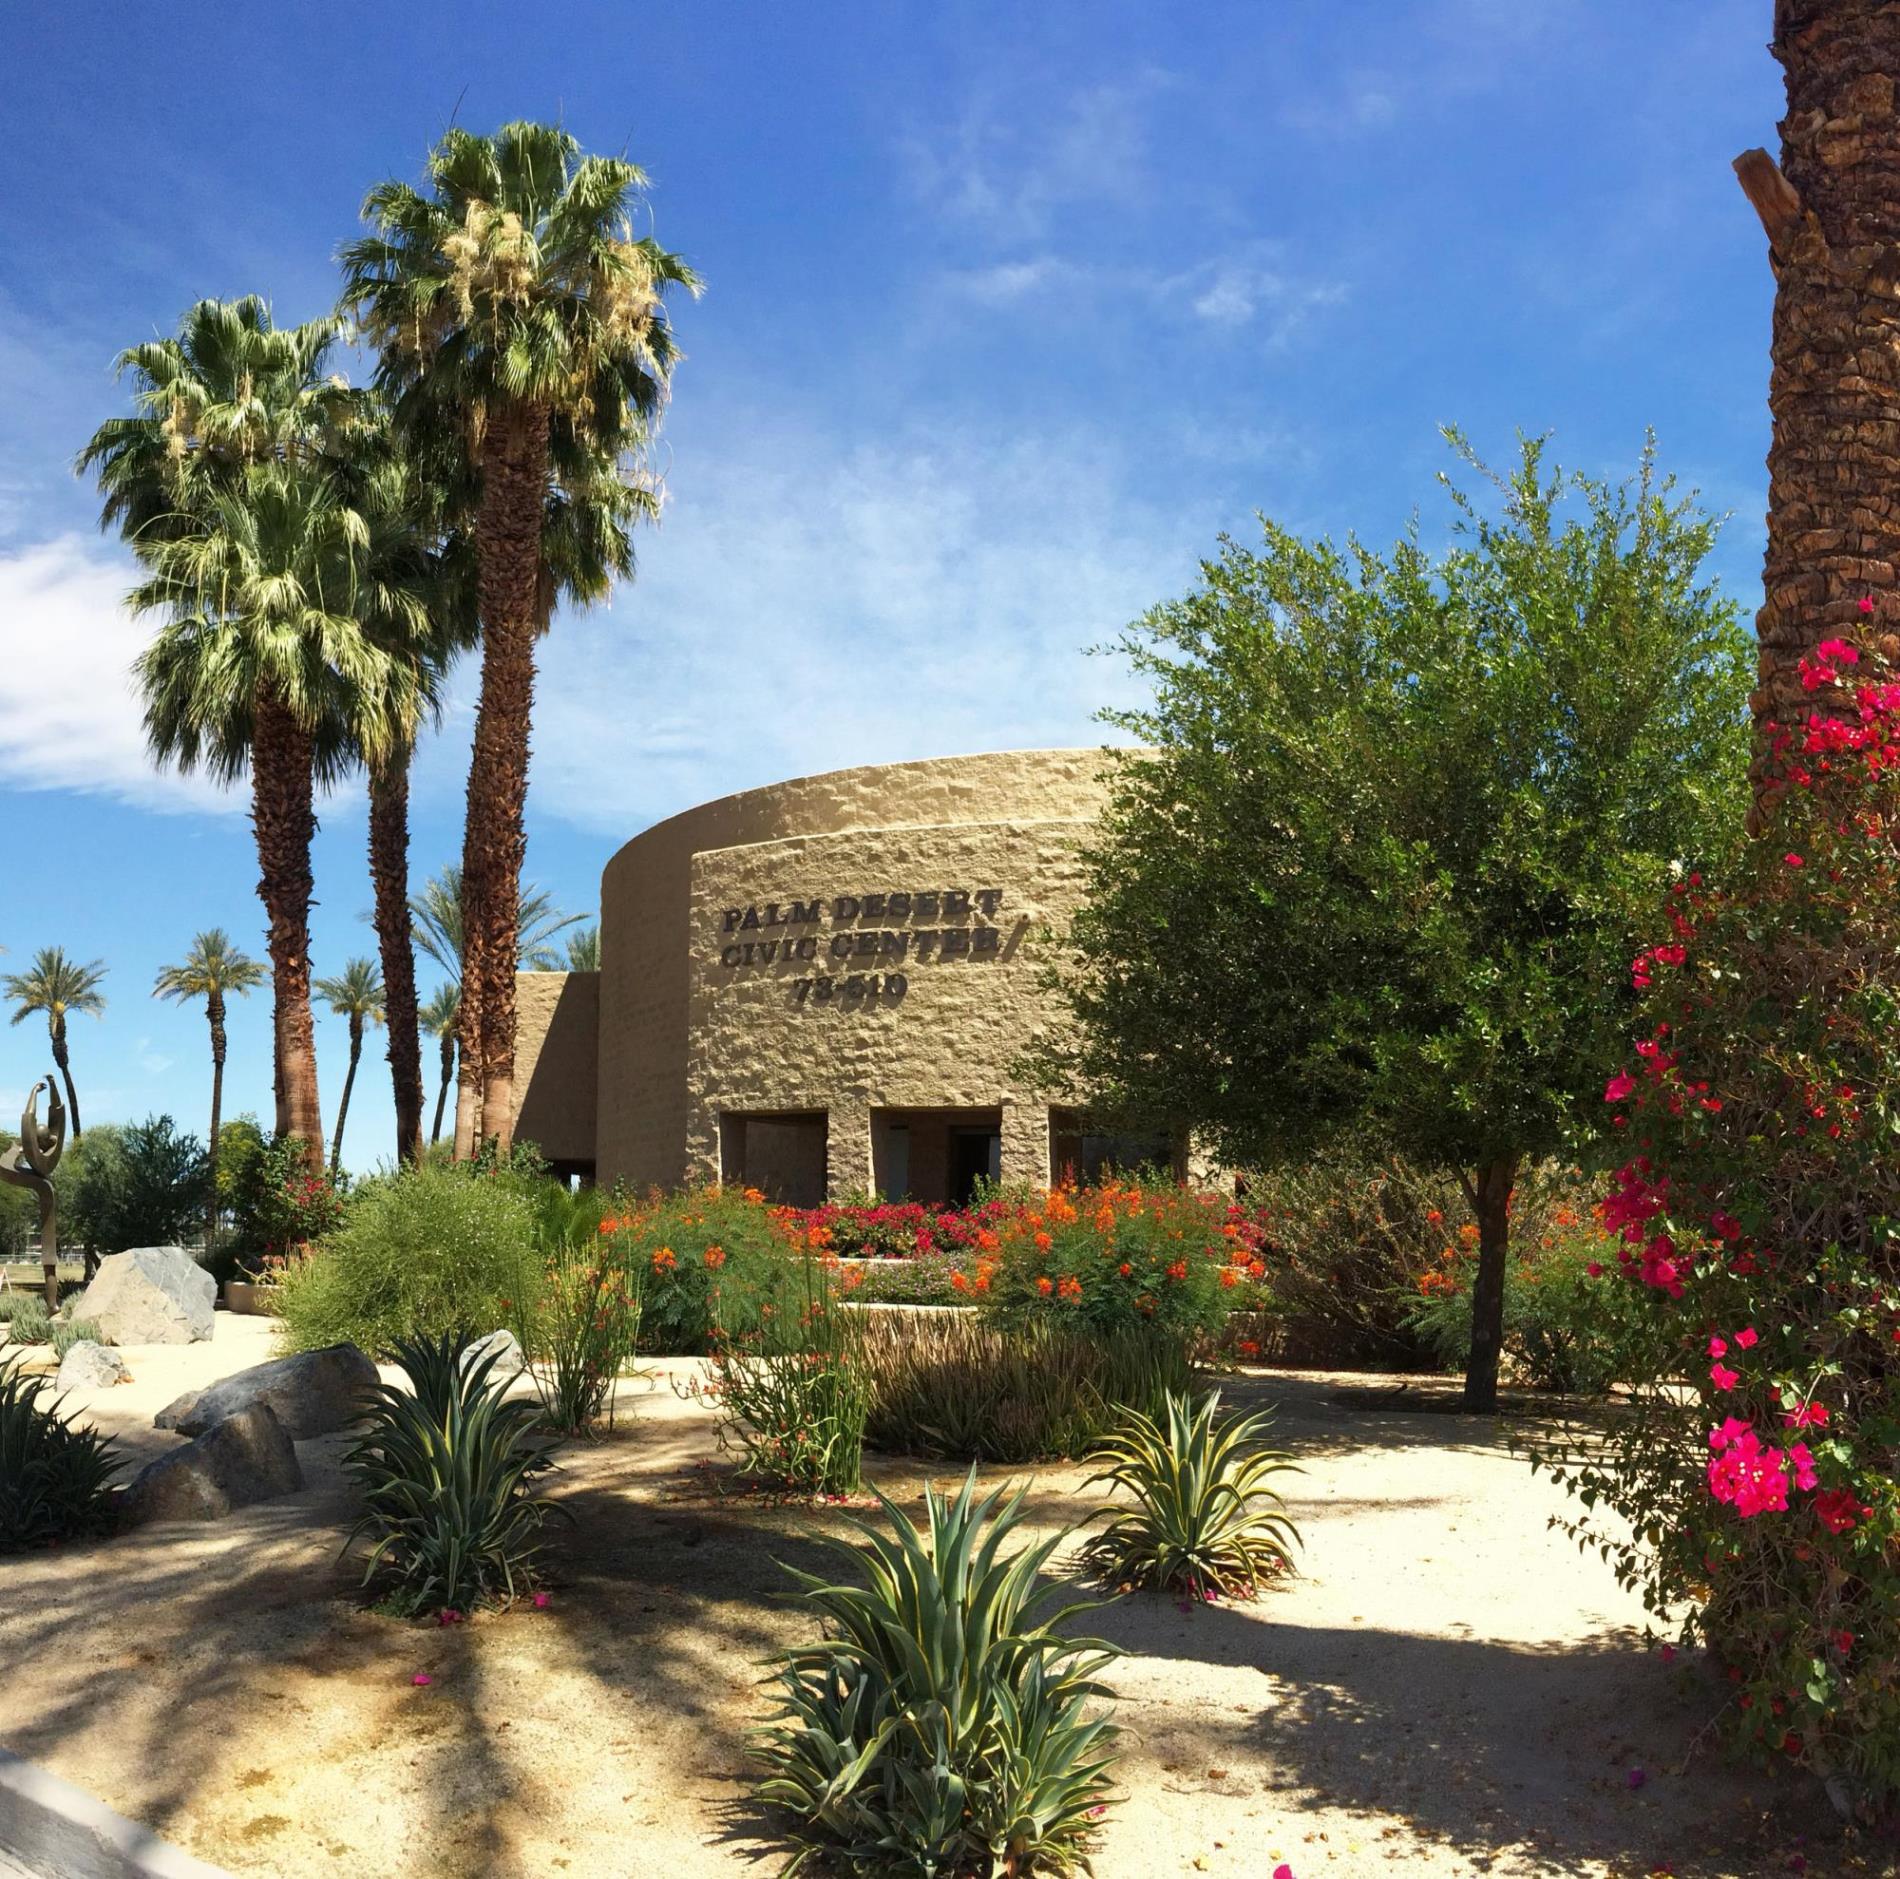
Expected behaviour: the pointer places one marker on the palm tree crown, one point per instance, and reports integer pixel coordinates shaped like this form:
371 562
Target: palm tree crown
214 968
436 908
57 986
355 993
583 950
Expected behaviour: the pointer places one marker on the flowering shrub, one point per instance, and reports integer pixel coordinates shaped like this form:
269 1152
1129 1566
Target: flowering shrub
699 1259
1756 1214
579 1327
279 1206
894 1229
1113 1258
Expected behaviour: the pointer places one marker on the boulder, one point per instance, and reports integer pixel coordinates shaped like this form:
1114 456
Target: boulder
246 1458
310 1393
505 1347
90 1366
149 1295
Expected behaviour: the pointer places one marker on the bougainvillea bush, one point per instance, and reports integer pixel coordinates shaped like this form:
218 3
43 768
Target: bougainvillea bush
1755 1212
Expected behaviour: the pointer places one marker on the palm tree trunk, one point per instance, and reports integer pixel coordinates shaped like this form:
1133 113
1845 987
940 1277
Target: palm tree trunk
56 1023
349 1083
284 815
389 871
1833 222
448 1076
214 1011
508 581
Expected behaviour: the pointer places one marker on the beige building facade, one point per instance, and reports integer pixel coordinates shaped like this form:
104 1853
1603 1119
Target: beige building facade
820 987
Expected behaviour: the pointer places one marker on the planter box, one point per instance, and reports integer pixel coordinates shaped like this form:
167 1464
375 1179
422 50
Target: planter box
247 1299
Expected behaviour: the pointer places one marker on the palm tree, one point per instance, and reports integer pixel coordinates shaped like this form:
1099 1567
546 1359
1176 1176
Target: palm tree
436 909
583 950
213 970
513 311
219 482
356 994
57 985
1831 215
439 1017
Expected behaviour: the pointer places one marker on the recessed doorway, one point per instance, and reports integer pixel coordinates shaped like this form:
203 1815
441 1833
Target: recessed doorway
784 1156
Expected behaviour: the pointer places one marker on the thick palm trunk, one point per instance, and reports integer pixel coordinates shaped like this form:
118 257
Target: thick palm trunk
389 871
284 815
1833 219
508 577
63 1063
442 1095
349 1083
214 1011
1491 1193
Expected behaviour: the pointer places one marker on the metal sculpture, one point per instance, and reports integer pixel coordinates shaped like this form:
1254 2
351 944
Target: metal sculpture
30 1165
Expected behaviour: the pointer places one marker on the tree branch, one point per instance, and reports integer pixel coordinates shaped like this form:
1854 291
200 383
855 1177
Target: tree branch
1775 199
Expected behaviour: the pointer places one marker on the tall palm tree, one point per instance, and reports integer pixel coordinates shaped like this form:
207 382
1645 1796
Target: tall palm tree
1832 217
218 481
262 661
515 312
57 986
439 1017
436 909
356 994
583 950
213 970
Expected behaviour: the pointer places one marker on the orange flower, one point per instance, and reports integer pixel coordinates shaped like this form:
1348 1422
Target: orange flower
1178 1270
1127 1271
959 1282
1069 1288
1229 1277
1043 1242
1045 1285
1435 1216
664 1260
987 1240
715 1257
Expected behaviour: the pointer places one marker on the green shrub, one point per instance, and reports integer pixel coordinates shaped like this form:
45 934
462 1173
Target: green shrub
55 1477
1205 1521
27 1321
445 1468
580 1327
951 1387
149 1189
1112 1258
940 1728
706 1258
792 1391
63 1337
430 1252
278 1204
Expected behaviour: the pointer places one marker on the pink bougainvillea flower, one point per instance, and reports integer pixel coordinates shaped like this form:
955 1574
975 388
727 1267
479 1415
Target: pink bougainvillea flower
1724 1378
1636 1777
422 1679
1794 861
448 1615
1283 1871
1866 603
1747 1338
540 1601
1838 1510
1718 1347
1594 1269
1619 1087
1807 1416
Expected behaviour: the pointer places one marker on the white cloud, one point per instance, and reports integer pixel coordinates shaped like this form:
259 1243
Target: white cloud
69 718
809 605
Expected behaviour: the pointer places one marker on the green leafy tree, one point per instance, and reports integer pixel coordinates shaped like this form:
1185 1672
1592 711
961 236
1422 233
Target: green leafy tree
58 987
520 323
213 970
1379 872
149 1191
355 994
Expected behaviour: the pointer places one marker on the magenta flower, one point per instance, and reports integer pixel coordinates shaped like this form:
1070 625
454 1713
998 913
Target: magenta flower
1619 1086
1636 1777
1724 1378
1866 603
540 1601
422 1679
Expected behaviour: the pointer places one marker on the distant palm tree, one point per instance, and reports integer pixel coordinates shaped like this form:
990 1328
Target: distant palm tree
213 970
517 318
583 950
356 994
439 1017
436 908
57 985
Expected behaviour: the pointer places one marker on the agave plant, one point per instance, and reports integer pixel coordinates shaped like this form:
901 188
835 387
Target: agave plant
941 1728
1204 1520
55 1478
445 1467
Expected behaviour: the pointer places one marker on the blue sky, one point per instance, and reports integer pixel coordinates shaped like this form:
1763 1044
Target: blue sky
1010 312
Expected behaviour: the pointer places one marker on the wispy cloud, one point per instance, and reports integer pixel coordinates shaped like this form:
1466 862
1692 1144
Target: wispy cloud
69 718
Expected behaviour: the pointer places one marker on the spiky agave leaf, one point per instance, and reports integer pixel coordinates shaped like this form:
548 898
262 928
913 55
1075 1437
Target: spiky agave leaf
1205 1519
940 1726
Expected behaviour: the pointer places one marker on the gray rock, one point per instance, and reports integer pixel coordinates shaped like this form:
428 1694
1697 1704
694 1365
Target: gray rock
310 1393
90 1366
246 1458
149 1295
506 1349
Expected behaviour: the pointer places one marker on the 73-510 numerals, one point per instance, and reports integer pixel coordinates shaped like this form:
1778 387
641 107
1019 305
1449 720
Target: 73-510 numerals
860 988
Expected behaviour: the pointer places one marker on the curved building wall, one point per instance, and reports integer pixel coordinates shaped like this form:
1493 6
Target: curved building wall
842 965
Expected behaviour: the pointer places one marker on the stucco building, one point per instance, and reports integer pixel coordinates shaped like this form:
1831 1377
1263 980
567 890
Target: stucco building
820 987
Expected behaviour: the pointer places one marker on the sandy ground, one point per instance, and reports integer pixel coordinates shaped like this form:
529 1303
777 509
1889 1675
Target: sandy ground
1447 1687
